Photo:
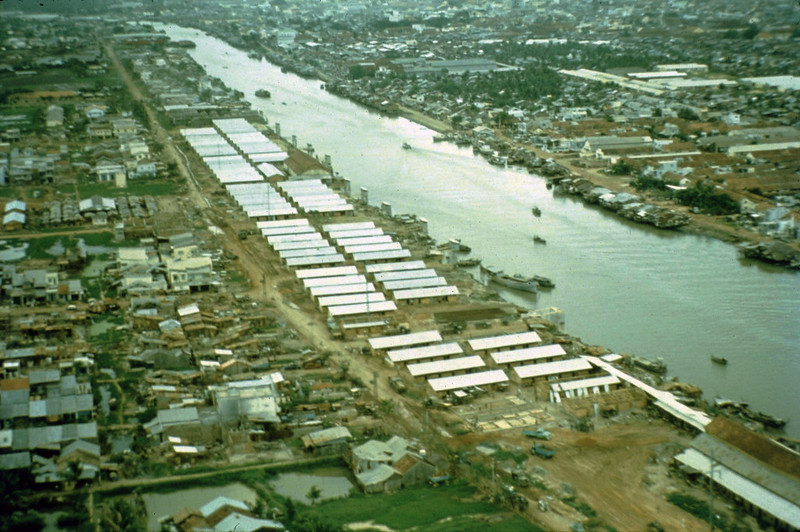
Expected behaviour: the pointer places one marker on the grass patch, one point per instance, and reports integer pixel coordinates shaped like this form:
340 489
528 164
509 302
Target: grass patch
145 187
699 509
411 507
581 506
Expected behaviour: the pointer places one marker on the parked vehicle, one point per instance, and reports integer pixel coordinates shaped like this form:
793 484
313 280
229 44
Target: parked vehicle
539 433
542 450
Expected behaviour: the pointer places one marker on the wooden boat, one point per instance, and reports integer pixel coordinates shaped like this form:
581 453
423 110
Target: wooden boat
543 282
539 240
536 211
722 361
468 263
406 146
766 419
263 93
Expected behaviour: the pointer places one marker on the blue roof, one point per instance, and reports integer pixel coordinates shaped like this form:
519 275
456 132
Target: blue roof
214 505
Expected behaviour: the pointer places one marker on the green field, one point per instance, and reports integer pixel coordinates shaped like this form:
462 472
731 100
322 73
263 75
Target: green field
146 187
457 507
24 118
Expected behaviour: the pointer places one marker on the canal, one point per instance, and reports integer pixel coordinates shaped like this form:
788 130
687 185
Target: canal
629 287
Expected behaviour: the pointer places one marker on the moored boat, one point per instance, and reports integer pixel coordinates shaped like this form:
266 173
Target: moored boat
517 282
263 93
536 211
722 361
468 263
543 282
766 419
539 240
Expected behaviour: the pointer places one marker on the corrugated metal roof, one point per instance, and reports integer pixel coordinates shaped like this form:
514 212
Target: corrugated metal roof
294 222
405 274
552 368
528 353
750 491
307 252
350 226
334 281
395 266
578 384
319 259
322 291
424 353
338 271
422 293
381 255
364 241
420 282
350 310
293 238
303 244
336 235
442 366
372 248
402 340
456 382
351 299
505 340
290 230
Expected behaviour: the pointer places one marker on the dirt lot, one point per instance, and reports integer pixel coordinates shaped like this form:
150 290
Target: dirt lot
611 471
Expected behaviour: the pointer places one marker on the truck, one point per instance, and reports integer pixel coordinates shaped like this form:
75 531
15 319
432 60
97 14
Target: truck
539 434
397 384
542 450
243 235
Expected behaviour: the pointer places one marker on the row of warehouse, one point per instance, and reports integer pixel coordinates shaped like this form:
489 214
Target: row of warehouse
495 360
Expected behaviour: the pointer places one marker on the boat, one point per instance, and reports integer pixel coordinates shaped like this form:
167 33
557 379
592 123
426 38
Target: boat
406 146
517 282
454 244
468 263
263 93
539 240
653 366
536 211
722 361
543 282
766 419
441 138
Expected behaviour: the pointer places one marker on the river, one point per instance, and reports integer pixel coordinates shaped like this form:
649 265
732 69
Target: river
629 287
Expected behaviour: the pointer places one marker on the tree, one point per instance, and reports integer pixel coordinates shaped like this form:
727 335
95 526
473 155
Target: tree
313 494
291 511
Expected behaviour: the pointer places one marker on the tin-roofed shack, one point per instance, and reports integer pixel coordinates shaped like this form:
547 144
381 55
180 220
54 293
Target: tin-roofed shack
327 442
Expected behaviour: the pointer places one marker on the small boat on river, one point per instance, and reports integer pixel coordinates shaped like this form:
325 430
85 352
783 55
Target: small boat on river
536 211
766 419
406 146
263 93
516 281
468 263
539 240
722 361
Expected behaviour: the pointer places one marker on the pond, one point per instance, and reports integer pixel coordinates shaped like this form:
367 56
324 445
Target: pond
333 483
161 505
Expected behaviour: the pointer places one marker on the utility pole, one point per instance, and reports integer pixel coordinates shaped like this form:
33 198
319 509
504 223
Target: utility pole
711 493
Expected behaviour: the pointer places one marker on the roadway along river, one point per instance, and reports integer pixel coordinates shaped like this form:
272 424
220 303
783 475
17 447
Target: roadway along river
628 287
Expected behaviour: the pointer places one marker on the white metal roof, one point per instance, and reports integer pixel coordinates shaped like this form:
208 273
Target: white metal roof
279 211
351 226
351 299
528 353
291 230
381 255
395 266
283 223
320 291
307 252
741 486
364 241
326 272
328 208
423 353
421 293
349 310
406 274
408 284
334 280
590 382
552 368
401 340
293 238
336 235
444 384
442 366
506 340
319 259
303 244
371 248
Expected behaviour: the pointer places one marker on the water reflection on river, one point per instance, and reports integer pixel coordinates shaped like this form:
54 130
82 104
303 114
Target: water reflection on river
629 287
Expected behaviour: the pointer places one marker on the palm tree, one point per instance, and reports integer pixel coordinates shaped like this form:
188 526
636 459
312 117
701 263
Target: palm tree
313 494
